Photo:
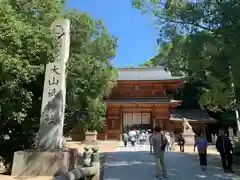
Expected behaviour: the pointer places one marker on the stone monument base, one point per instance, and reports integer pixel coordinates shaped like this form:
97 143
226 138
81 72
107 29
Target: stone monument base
37 163
91 136
189 137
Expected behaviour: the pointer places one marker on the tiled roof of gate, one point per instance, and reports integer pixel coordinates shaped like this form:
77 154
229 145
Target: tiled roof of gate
141 100
145 74
191 115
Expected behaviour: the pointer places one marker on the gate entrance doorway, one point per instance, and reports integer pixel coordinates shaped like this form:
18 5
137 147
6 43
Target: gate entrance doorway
137 120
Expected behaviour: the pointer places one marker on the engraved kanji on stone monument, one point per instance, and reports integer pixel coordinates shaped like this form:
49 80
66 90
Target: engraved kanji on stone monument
53 101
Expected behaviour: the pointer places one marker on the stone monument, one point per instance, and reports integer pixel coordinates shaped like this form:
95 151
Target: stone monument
188 133
49 157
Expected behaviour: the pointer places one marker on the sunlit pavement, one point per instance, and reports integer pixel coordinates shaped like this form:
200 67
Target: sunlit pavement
136 163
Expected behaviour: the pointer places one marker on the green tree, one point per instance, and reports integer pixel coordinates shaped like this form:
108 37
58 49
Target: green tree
26 44
146 64
91 74
205 42
130 66
160 58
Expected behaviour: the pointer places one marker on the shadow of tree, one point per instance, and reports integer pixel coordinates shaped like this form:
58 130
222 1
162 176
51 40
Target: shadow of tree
140 165
214 161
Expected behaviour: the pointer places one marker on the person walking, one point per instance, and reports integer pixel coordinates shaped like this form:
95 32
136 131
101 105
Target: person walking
181 142
201 144
137 136
125 138
150 142
225 148
168 145
172 141
159 145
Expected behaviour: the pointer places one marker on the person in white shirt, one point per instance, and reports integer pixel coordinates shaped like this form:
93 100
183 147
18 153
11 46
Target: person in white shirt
132 136
172 137
168 145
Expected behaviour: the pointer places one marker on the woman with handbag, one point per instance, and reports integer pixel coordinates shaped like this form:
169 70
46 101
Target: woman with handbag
201 144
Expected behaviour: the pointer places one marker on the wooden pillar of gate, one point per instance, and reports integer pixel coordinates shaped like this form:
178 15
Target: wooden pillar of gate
121 123
153 117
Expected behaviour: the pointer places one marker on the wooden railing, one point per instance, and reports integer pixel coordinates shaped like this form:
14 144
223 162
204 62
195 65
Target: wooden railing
90 170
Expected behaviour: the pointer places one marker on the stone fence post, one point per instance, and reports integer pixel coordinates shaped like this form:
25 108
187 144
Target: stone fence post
95 162
91 169
87 157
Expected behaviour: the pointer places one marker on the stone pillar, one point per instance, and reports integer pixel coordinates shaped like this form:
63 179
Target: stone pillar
188 133
50 158
189 137
54 92
95 162
73 158
87 157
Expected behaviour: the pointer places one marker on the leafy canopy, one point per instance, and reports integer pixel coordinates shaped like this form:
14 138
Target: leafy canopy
91 74
203 41
26 45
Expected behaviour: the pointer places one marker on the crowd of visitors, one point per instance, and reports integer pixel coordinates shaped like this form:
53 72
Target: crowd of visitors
144 137
133 136
160 141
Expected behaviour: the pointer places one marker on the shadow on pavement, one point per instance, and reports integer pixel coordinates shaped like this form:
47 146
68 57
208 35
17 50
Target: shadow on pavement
140 165
214 161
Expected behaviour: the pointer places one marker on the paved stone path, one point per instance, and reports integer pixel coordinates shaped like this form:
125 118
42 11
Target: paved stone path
136 163
130 148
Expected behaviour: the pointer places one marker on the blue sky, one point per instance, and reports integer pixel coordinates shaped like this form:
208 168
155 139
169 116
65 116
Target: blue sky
136 33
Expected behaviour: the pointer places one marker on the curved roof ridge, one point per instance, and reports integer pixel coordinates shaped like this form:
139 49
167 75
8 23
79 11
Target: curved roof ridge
145 74
142 68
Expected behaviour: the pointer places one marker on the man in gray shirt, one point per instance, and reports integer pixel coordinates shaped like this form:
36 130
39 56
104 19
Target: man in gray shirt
159 143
